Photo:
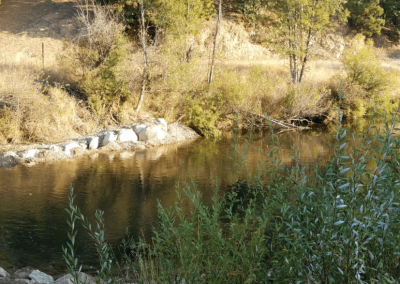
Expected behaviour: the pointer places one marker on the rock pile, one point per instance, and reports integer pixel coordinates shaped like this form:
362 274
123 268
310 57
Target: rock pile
138 136
28 275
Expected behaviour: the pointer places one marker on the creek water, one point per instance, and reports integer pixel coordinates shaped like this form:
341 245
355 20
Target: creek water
126 186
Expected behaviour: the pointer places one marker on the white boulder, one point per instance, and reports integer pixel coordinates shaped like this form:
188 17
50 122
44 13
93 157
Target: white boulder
109 137
3 273
69 147
127 135
163 124
40 277
93 142
152 132
27 154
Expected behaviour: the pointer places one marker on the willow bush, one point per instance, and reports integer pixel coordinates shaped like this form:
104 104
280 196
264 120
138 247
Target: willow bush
368 86
332 223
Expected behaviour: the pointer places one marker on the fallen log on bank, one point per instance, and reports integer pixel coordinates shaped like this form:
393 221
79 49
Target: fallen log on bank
278 122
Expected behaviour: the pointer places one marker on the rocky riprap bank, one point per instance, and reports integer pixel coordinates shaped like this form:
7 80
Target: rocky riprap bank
141 135
28 275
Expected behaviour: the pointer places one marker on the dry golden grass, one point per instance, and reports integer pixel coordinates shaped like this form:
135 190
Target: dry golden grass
30 111
254 86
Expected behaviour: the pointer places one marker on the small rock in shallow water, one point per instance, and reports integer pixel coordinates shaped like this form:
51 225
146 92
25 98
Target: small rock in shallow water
3 274
40 277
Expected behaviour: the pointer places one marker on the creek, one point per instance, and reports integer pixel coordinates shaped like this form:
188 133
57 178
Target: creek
126 186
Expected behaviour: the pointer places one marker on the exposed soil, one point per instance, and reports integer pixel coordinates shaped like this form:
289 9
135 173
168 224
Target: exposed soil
26 24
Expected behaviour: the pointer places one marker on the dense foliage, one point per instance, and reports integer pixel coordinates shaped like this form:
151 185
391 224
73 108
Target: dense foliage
391 12
365 16
300 23
367 84
104 86
332 223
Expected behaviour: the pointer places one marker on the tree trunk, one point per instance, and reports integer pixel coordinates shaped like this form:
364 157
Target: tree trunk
295 73
306 55
143 40
215 42
292 39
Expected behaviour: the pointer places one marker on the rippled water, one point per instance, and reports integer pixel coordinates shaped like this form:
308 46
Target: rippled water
125 185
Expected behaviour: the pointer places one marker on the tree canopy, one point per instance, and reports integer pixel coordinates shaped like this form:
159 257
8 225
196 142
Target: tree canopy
365 16
300 24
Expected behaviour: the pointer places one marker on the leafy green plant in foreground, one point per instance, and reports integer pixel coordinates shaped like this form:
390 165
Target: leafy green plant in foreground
343 225
336 223
69 251
105 274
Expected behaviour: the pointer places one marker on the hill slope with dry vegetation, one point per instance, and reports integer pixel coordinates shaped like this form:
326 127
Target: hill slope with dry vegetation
100 73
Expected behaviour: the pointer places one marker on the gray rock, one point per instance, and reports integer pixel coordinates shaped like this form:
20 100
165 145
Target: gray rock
109 137
3 274
127 135
68 279
40 277
93 142
139 128
16 281
23 273
83 144
152 132
8 154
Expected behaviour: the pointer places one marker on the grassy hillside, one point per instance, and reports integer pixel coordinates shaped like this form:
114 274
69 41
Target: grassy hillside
102 75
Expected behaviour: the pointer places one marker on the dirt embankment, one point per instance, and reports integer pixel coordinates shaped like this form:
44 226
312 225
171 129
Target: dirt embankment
26 24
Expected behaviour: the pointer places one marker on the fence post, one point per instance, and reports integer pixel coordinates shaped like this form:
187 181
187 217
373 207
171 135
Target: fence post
43 55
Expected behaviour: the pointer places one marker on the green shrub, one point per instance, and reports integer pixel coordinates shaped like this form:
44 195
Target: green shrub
364 68
365 16
337 223
290 98
342 226
366 84
391 12
203 120
105 86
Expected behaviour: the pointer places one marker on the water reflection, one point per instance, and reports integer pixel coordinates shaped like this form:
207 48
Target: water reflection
125 185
